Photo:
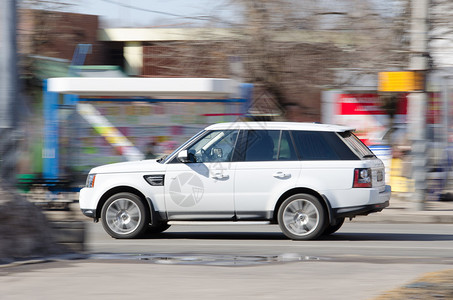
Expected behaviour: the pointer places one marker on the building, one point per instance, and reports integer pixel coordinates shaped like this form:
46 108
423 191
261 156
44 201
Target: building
47 41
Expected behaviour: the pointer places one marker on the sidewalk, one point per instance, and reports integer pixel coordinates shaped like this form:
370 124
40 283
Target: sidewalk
88 279
402 210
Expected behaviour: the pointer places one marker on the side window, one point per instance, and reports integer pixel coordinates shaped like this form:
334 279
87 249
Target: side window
315 145
262 145
287 151
216 146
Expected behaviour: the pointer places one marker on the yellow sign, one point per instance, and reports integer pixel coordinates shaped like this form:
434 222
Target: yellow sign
407 81
398 182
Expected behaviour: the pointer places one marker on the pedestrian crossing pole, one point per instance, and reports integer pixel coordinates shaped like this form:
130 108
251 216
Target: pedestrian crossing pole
8 91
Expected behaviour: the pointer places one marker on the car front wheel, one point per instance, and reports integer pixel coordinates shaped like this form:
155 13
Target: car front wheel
302 217
124 216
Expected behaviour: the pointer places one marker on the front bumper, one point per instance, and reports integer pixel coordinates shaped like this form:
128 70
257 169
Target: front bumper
87 205
91 213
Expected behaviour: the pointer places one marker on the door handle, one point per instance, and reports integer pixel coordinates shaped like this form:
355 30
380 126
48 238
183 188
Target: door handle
281 175
220 176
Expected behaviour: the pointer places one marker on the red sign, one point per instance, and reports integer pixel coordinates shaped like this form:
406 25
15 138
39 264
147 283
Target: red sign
435 109
367 104
360 104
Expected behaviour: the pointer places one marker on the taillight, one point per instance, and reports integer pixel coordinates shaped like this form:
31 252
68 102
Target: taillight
362 178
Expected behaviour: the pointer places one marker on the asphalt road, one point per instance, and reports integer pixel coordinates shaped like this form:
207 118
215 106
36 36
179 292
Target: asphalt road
361 261
355 241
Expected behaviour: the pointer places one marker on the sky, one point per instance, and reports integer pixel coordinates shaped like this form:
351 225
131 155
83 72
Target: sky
185 13
130 13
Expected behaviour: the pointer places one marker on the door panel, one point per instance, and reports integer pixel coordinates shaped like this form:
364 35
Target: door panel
258 186
199 191
269 167
202 188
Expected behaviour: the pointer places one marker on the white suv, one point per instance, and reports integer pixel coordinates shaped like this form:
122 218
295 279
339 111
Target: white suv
306 177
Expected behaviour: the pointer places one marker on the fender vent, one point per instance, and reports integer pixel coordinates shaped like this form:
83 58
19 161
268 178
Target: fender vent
155 180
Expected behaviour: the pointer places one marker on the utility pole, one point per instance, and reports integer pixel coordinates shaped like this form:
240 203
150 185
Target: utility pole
418 100
8 91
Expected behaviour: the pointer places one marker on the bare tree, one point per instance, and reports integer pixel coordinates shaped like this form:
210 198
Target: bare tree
441 33
291 50
338 35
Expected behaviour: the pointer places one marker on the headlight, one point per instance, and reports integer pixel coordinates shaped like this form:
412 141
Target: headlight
90 180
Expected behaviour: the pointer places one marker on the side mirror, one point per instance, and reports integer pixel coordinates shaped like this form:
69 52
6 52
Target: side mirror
183 156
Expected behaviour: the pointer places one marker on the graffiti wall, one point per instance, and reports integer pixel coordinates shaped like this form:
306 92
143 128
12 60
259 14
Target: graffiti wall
102 132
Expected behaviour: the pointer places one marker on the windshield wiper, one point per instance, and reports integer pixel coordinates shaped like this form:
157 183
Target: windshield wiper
162 158
369 155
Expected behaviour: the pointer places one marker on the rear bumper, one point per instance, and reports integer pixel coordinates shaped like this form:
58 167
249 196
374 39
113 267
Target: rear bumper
350 212
361 210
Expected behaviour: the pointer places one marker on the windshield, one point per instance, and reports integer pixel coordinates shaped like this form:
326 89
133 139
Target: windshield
356 144
169 157
215 146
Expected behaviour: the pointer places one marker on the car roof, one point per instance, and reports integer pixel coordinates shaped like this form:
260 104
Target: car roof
279 126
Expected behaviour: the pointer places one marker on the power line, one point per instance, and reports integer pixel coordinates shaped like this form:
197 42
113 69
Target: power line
153 11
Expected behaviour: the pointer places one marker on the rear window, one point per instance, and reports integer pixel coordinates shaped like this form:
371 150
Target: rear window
262 145
356 144
320 145
268 145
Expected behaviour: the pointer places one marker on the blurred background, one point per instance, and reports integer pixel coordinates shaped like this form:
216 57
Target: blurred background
382 67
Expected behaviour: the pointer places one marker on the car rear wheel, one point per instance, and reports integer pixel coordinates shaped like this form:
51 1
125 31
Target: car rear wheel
333 228
161 227
302 217
124 216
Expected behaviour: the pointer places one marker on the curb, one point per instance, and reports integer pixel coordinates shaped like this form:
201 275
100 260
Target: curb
427 217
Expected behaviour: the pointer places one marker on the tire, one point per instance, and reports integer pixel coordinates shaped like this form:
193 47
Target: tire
125 216
161 227
302 217
333 228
